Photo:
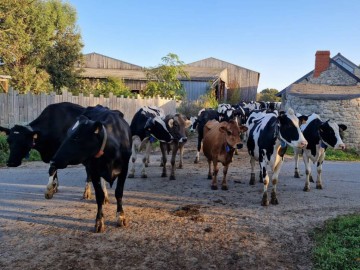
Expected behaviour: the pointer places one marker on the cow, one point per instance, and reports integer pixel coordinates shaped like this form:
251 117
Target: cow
101 140
176 124
268 137
219 144
320 135
44 134
147 126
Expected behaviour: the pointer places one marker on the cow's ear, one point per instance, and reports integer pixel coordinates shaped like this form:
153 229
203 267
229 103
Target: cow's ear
243 128
223 129
171 123
342 127
97 127
35 136
6 130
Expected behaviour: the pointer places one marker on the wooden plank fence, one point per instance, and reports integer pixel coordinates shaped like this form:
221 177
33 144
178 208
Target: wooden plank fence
21 109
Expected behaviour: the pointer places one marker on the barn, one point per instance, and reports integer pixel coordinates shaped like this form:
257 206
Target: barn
225 78
331 90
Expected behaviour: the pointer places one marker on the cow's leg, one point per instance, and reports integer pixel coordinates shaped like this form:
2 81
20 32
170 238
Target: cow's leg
147 153
252 176
106 195
319 171
308 172
215 173
134 150
181 154
119 191
209 172
87 191
224 185
275 178
265 176
53 184
173 159
99 194
197 158
163 158
296 159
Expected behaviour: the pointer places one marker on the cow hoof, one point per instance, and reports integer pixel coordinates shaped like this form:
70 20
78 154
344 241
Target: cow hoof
319 187
196 161
146 165
274 200
180 167
99 225
224 188
209 176
144 175
264 202
172 177
296 175
214 187
121 220
307 189
131 175
49 195
252 179
163 175
87 194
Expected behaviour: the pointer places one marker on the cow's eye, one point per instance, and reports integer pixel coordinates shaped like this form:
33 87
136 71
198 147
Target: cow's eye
229 132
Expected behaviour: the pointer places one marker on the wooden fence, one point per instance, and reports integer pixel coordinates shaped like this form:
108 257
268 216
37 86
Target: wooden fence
21 109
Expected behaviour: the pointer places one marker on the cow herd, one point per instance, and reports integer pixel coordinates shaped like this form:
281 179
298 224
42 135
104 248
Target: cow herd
100 139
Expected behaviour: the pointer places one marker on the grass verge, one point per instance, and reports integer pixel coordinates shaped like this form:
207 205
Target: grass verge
335 155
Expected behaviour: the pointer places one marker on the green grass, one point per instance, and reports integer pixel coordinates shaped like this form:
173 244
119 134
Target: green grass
337 245
335 155
4 152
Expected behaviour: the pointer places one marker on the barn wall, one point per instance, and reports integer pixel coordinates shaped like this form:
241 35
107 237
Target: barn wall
238 78
194 89
342 111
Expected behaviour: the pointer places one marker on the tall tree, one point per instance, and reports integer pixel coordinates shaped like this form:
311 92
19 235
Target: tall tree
164 79
268 94
31 31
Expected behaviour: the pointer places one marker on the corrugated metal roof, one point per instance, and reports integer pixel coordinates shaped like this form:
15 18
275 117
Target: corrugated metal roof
322 91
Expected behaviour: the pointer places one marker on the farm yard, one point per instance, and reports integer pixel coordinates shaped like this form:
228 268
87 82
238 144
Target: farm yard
179 224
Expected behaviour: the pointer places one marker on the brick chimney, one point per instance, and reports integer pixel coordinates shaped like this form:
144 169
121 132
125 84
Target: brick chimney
322 62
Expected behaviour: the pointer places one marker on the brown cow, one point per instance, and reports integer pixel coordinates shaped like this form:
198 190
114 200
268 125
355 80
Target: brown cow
219 143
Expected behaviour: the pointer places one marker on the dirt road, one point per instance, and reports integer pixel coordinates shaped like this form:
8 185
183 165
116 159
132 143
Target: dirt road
214 229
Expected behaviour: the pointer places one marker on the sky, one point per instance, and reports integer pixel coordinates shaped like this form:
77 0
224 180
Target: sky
277 38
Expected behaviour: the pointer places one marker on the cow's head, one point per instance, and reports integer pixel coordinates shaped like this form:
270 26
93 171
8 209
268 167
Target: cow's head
156 127
289 130
20 139
330 134
177 125
85 140
194 123
232 132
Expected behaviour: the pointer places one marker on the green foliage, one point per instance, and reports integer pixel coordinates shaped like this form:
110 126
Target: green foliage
268 95
337 245
164 79
348 154
39 44
102 87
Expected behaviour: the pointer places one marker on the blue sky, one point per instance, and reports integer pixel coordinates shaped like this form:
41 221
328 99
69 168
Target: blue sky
278 38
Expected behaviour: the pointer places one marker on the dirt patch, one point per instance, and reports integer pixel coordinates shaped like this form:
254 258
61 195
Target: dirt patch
180 224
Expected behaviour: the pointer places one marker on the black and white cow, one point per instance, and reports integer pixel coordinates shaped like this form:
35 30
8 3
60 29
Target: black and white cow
320 135
101 140
45 134
146 126
176 125
268 137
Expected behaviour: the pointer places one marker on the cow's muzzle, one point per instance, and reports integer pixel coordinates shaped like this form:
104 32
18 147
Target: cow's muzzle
239 146
183 140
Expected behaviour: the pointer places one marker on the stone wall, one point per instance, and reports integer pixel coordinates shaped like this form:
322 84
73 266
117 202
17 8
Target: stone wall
342 111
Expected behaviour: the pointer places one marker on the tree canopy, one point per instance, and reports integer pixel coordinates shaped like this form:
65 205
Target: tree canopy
268 94
39 44
164 79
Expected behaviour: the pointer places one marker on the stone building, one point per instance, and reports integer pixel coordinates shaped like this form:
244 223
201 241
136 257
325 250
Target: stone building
331 90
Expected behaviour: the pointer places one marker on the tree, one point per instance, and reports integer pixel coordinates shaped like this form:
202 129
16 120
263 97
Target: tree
268 94
39 43
164 79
